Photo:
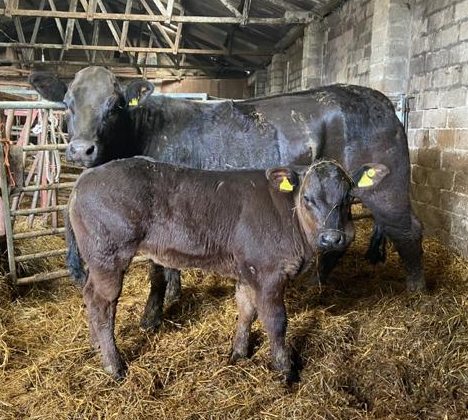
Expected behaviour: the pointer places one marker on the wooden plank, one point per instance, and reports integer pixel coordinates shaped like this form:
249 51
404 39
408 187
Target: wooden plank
231 8
160 27
91 10
178 38
170 6
82 37
95 39
160 6
70 25
291 18
285 5
123 36
137 49
57 21
245 12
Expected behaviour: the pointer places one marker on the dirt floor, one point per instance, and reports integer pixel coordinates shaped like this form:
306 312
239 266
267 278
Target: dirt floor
368 350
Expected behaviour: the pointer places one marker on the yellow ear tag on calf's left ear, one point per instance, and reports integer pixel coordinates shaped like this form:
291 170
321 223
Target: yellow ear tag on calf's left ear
366 180
286 185
133 102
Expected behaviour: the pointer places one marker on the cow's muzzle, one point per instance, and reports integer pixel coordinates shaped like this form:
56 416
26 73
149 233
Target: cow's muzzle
82 152
332 240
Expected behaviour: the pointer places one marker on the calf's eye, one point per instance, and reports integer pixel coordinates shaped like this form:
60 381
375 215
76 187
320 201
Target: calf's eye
308 200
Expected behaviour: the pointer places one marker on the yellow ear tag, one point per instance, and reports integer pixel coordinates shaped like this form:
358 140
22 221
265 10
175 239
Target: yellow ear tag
133 102
286 185
366 180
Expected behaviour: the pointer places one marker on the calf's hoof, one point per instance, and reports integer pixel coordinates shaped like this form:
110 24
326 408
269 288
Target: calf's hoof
236 356
173 292
117 370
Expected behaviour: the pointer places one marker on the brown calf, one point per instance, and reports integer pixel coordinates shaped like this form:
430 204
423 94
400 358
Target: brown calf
260 230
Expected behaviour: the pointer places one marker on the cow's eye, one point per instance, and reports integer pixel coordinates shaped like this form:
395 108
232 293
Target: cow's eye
308 200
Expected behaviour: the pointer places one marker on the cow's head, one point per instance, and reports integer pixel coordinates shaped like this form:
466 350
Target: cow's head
322 194
97 111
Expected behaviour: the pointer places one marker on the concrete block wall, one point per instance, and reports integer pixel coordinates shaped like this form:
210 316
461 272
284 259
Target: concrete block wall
438 124
417 47
347 47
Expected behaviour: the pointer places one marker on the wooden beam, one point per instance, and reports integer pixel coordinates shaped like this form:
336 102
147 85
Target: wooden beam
82 37
95 39
70 26
289 18
10 7
231 8
285 5
245 12
123 37
169 9
16 45
57 21
160 6
160 27
91 10
125 65
37 24
178 38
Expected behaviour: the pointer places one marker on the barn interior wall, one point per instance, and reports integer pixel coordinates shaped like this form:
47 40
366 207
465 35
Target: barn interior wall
416 47
438 124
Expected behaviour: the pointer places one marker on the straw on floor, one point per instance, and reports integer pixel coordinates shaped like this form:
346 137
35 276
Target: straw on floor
367 349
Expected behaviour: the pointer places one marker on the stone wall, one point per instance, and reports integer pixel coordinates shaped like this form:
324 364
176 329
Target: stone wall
415 47
438 124
347 48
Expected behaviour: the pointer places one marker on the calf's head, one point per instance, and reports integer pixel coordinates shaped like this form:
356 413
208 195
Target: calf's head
97 111
322 195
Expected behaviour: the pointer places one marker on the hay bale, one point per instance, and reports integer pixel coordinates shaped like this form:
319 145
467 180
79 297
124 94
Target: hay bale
367 350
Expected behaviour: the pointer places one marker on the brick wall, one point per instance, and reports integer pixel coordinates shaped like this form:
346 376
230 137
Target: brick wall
438 125
348 48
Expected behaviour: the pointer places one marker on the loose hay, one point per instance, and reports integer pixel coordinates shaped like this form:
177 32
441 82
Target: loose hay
368 350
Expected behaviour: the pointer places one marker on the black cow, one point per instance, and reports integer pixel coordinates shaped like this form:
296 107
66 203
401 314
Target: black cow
186 218
351 124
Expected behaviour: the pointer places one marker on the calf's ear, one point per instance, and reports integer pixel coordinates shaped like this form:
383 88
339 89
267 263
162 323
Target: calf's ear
48 85
369 175
282 179
138 92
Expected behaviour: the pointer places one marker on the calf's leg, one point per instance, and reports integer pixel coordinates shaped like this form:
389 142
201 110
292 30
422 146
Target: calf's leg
247 314
173 288
154 305
101 294
272 313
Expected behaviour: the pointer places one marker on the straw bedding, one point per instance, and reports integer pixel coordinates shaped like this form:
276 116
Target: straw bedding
366 348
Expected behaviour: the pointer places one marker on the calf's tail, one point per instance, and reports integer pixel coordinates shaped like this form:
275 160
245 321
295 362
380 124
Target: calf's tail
377 247
74 261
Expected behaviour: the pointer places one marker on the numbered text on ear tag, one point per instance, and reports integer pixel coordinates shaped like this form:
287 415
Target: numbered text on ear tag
366 180
133 102
286 185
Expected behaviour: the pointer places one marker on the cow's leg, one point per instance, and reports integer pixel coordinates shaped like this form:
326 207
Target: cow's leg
101 294
393 213
272 313
173 288
408 243
247 315
154 305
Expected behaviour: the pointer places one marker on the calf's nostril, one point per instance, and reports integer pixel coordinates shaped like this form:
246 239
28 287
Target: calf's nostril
72 149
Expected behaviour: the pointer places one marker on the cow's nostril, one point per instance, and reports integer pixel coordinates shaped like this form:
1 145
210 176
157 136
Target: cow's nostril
90 150
72 149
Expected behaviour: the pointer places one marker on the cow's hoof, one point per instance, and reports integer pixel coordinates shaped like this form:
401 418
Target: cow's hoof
148 323
236 356
291 377
415 285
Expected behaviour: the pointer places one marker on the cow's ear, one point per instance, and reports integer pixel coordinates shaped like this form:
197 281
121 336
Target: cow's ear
48 85
283 179
369 175
138 92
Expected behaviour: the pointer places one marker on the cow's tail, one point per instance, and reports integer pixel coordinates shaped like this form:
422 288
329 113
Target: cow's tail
377 247
74 261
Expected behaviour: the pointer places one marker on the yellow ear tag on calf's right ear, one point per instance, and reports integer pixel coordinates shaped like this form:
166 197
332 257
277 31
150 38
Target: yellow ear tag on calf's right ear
133 102
366 180
286 185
